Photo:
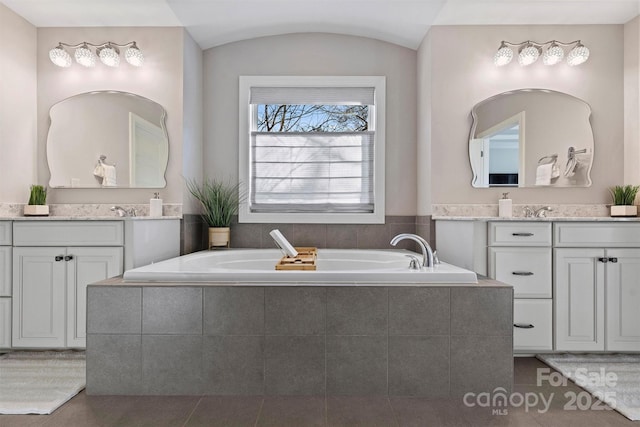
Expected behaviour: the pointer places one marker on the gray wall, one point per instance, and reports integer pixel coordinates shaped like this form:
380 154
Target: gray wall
460 77
314 54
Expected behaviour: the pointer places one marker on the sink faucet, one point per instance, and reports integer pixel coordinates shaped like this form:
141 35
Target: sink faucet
427 252
124 212
539 213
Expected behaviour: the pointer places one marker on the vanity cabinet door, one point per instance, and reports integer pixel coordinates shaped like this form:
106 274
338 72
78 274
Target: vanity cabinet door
5 271
5 323
85 266
38 297
623 299
579 299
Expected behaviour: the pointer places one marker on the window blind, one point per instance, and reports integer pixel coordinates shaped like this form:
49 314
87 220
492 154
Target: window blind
313 95
312 172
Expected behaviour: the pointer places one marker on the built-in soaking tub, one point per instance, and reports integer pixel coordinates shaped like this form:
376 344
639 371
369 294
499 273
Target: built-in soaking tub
250 266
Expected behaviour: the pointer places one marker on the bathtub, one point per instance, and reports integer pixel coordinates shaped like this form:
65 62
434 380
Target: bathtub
347 266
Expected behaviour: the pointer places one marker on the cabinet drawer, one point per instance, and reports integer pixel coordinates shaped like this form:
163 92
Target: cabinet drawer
5 233
68 233
519 234
528 270
597 234
533 325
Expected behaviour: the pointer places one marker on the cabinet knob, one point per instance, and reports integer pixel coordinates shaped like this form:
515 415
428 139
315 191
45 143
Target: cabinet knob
614 260
522 234
68 258
605 260
59 258
523 325
522 273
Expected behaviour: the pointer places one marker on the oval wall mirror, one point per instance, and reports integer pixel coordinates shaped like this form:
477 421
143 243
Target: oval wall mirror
107 139
531 138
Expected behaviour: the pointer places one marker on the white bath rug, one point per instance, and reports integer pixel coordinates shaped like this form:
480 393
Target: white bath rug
39 382
613 376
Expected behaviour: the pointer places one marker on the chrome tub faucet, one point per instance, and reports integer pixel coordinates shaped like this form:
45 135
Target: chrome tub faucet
427 252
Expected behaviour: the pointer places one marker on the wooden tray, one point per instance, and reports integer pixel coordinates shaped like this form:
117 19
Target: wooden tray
306 260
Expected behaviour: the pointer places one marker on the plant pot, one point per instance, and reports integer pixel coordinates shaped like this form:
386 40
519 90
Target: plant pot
624 210
36 210
219 237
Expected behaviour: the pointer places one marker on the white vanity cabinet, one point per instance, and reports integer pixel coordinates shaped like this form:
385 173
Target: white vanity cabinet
53 262
5 284
597 287
520 254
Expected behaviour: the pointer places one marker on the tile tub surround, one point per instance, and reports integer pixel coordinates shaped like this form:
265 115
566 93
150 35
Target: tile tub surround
192 339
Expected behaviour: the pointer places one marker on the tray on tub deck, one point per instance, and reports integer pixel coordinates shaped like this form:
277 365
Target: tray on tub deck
306 260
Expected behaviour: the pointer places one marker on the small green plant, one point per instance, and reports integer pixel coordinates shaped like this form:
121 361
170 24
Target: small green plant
38 195
624 194
220 200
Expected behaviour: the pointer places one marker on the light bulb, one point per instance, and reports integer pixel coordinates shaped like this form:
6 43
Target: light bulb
528 54
553 55
60 57
85 57
503 56
109 55
134 56
578 55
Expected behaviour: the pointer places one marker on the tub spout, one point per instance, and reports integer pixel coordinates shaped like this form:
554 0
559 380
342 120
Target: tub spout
427 252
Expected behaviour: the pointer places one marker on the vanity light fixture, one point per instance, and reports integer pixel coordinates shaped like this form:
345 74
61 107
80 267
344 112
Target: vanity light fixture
529 51
108 52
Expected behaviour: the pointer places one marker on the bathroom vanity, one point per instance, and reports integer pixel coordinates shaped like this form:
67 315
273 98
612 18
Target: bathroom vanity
47 263
575 280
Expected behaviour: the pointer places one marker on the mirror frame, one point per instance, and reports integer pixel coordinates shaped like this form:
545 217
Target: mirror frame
162 126
474 125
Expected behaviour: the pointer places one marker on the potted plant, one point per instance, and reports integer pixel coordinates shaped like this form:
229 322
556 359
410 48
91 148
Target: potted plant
220 202
624 197
37 205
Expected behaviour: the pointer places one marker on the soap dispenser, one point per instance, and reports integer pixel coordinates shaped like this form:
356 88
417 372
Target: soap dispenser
504 207
155 205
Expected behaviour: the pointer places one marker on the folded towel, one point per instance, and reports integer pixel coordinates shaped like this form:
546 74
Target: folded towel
555 170
109 179
543 174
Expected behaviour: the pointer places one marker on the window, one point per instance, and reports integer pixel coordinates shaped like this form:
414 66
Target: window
312 149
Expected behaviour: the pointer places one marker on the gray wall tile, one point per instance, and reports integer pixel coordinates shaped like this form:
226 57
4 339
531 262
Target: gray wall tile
481 311
172 364
342 236
314 235
419 366
372 236
357 310
356 365
172 310
480 364
114 364
246 236
233 365
294 365
234 311
419 311
295 310
114 310
292 411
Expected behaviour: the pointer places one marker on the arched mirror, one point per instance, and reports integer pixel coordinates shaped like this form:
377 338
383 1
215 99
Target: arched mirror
531 138
107 139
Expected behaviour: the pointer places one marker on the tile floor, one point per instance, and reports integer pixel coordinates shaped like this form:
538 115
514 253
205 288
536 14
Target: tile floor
89 411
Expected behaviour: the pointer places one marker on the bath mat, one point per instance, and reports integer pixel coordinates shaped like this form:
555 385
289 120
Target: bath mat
615 374
39 382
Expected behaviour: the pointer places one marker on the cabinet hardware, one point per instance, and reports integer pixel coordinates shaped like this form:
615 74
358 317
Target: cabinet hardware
68 258
522 234
614 260
59 258
523 325
605 260
522 273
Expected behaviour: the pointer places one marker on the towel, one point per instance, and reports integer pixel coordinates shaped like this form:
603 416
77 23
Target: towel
543 174
107 173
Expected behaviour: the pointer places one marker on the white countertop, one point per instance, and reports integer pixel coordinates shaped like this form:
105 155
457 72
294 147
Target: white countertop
545 219
86 218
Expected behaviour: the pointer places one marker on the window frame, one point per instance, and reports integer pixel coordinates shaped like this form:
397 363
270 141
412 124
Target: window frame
247 123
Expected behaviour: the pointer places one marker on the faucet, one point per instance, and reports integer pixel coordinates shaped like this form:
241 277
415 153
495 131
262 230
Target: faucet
539 213
427 252
124 212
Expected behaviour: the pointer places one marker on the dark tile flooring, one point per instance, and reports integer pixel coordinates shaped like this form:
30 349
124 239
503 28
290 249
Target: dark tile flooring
89 411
